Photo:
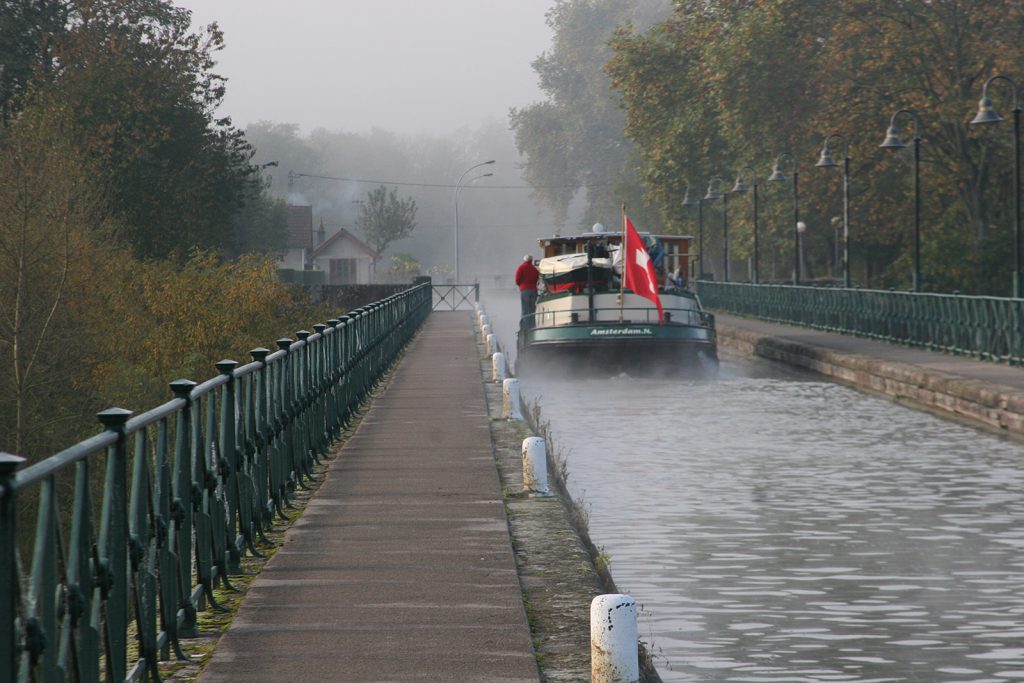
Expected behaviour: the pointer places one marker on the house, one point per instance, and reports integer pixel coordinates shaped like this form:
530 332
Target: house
300 239
345 259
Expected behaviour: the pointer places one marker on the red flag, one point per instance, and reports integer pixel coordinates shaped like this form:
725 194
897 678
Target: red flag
638 270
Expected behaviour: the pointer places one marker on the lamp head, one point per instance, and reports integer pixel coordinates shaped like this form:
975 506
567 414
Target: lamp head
826 160
711 195
687 200
801 227
986 112
777 174
892 139
740 187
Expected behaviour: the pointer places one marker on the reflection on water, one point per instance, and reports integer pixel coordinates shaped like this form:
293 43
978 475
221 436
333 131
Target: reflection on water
780 528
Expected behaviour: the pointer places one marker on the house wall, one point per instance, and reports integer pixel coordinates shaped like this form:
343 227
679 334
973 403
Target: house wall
344 249
294 258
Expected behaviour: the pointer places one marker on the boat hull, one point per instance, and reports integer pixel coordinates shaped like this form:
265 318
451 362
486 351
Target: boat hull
635 348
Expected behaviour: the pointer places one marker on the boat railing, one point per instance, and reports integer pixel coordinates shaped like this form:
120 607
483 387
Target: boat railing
616 316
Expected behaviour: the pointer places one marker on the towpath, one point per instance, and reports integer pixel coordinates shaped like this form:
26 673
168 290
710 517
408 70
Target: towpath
401 567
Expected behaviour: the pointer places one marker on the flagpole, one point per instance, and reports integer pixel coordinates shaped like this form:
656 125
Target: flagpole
622 262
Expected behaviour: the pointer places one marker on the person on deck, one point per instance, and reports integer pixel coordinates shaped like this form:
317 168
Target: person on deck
527 276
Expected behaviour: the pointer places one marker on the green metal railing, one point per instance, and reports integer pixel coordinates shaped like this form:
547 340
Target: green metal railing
118 567
991 328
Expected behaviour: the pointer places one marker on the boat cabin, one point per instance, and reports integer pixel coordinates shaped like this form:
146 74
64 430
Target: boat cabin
566 260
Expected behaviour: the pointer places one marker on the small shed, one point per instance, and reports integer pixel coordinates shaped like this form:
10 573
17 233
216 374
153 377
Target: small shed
345 258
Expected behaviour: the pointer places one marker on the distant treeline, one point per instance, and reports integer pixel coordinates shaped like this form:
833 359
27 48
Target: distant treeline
125 207
720 86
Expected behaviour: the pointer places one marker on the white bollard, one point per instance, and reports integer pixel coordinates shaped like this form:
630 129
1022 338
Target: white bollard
614 655
484 320
535 466
492 345
485 330
510 400
498 366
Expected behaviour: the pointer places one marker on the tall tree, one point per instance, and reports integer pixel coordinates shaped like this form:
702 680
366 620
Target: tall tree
574 139
138 85
384 218
729 83
48 207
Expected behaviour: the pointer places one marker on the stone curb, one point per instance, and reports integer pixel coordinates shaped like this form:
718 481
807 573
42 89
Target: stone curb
555 558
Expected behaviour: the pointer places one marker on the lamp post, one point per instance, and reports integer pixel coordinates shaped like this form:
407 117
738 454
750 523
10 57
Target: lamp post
778 176
892 141
740 187
688 202
826 161
987 114
458 186
801 228
710 196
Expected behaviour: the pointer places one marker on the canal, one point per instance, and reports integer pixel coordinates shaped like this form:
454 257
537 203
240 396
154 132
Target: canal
778 527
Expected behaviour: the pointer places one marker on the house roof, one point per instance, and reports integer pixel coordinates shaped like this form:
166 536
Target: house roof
300 226
344 234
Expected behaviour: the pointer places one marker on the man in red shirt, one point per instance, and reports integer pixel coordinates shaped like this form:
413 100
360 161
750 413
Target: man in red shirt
526 278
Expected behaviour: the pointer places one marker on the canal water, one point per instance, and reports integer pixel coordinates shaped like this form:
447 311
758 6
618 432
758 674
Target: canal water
778 527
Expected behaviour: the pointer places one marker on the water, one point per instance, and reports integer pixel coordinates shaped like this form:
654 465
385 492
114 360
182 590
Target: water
776 527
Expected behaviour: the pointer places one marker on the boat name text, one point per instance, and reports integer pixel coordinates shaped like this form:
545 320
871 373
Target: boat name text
622 332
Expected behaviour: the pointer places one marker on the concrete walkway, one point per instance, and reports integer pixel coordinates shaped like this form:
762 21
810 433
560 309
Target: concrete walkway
401 567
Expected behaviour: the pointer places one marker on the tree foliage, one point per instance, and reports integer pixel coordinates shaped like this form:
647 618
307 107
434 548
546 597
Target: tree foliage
384 218
574 139
48 209
140 94
726 84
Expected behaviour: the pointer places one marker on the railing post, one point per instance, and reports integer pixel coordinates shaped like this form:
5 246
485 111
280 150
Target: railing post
113 546
303 407
231 466
262 434
337 367
10 640
285 410
322 383
182 505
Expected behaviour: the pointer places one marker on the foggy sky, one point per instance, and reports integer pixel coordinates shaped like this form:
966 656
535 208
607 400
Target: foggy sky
407 66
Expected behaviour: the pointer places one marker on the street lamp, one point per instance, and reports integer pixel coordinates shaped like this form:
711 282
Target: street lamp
826 161
741 187
987 114
458 186
712 195
892 141
801 228
688 202
778 176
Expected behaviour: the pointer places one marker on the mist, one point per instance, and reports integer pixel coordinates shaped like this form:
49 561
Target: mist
404 94
499 220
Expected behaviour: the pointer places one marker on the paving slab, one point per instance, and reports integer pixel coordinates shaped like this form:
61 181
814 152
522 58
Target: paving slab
401 567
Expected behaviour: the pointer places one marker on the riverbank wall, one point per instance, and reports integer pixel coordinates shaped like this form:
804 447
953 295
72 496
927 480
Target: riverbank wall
992 398
561 570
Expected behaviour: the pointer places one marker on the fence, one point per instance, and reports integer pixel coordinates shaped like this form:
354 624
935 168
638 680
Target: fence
455 297
187 489
985 327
